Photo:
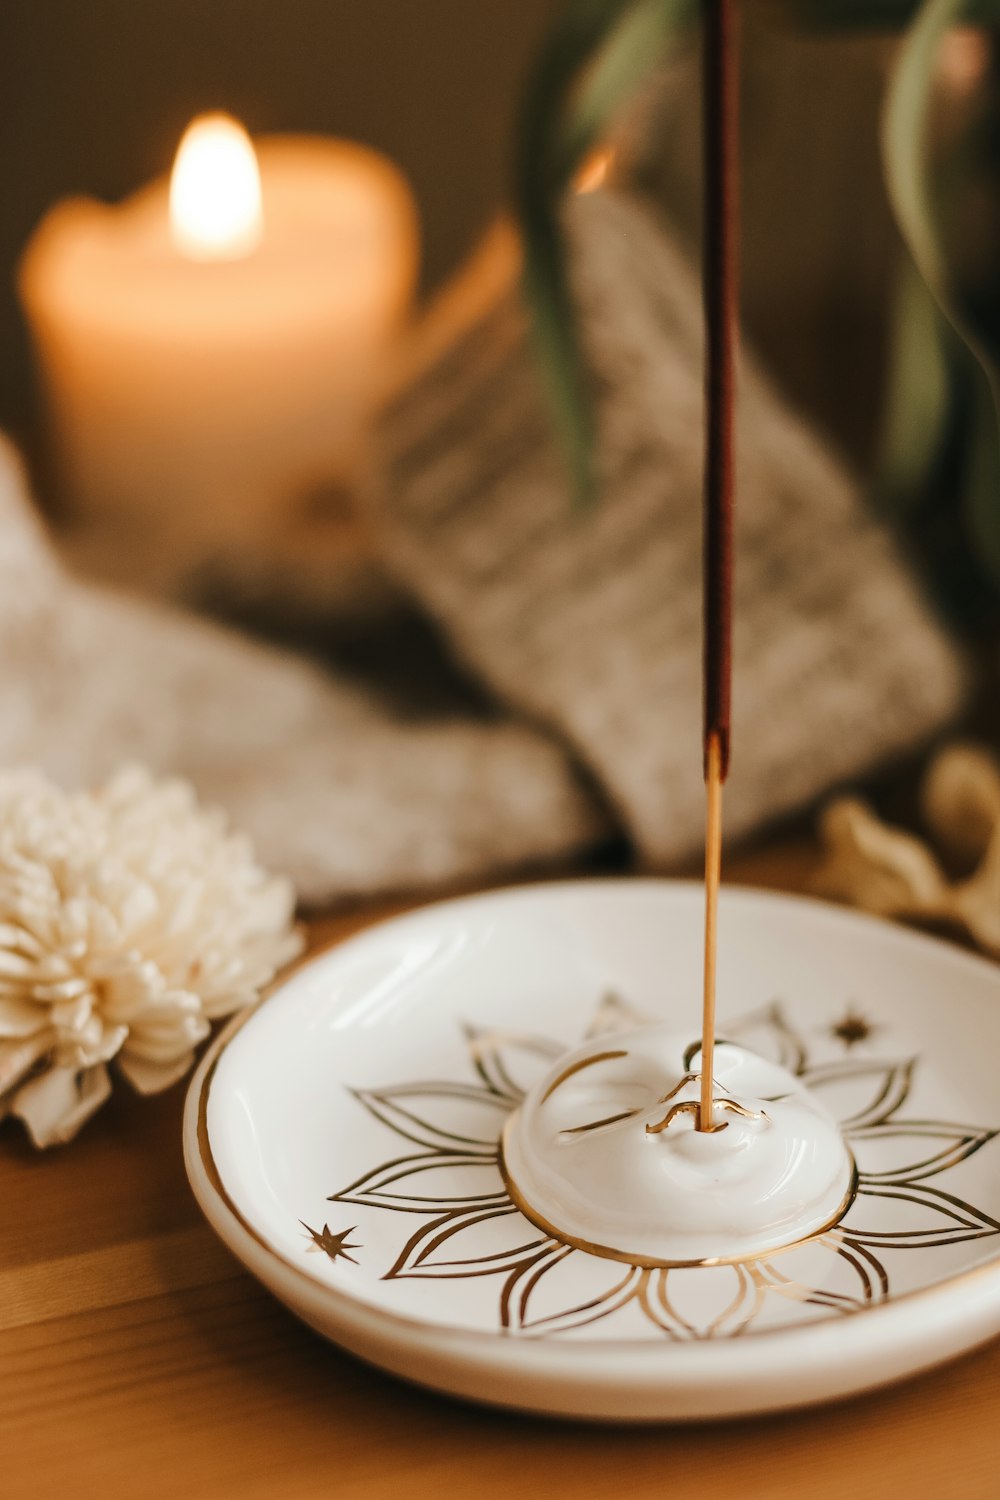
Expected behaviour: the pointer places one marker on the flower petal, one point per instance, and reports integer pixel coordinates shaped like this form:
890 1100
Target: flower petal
59 1101
862 1093
444 1116
18 966
509 1062
703 1302
17 939
18 1056
897 1151
768 1033
463 1243
97 1045
148 1077
910 1216
20 1018
550 1293
869 1269
614 1014
164 1035
961 799
832 1271
427 1183
977 900
874 866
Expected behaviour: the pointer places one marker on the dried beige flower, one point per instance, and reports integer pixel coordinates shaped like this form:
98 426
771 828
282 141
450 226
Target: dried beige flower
130 919
885 870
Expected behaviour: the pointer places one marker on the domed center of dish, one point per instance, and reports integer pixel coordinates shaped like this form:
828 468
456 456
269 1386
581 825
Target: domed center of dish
605 1154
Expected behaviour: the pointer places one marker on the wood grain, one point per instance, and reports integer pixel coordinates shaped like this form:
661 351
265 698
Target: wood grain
137 1359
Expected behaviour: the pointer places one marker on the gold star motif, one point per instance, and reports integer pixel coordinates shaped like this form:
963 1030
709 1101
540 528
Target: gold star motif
852 1028
334 1245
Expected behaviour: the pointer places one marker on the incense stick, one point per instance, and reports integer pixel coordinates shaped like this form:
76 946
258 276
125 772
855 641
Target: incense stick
720 105
713 873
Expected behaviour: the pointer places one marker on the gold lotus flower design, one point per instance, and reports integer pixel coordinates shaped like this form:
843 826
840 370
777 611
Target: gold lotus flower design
469 1226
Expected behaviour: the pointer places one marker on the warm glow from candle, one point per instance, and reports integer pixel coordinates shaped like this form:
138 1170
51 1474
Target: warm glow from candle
595 170
215 198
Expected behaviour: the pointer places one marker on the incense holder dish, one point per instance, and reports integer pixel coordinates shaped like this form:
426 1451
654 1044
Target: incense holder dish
411 1142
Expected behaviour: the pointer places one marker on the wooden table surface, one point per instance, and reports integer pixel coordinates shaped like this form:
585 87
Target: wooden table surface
138 1359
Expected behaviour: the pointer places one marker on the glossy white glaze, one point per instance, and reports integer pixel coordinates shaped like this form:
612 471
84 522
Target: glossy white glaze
588 1157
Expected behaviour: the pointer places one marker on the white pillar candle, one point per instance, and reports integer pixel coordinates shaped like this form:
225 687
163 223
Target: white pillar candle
210 348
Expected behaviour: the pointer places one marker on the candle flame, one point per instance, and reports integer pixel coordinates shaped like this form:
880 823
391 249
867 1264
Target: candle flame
215 198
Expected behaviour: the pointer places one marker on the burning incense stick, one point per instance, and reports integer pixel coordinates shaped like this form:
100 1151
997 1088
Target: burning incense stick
720 105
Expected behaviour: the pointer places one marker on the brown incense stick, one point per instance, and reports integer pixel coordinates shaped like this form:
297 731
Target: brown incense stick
720 106
713 873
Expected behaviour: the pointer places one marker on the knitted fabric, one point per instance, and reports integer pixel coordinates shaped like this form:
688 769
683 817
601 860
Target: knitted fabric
590 625
331 788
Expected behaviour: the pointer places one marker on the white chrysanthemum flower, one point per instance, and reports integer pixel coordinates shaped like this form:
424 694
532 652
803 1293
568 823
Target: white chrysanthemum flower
130 919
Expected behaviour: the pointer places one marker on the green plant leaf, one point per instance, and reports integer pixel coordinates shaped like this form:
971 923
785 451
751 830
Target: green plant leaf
918 404
905 130
599 52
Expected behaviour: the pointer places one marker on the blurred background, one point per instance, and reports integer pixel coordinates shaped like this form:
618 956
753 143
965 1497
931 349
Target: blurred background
207 426
96 98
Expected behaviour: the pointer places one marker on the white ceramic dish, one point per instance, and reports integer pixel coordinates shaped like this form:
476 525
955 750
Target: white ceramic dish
343 1141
